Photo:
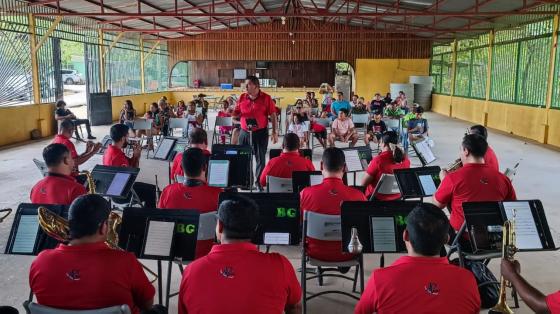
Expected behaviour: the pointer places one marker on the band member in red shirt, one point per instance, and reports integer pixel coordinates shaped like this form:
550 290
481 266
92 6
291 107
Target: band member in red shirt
194 192
421 280
535 300
390 158
235 277
74 276
490 157
63 137
254 108
59 187
326 198
474 182
114 154
197 139
289 161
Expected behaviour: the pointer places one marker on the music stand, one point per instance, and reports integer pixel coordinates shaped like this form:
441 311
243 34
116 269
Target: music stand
239 156
105 142
424 152
306 153
418 182
164 148
357 159
218 173
114 181
180 146
303 179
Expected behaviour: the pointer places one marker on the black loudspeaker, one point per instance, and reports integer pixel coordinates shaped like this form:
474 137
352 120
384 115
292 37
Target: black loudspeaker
100 109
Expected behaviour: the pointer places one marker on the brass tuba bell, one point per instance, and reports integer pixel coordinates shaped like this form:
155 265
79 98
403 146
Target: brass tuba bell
355 246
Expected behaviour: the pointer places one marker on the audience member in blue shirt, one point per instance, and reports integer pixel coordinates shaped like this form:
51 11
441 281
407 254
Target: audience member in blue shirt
340 103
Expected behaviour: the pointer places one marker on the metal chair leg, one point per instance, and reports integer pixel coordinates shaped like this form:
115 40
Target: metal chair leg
320 275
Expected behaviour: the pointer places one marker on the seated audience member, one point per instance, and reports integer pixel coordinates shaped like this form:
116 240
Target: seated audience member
165 113
474 182
70 277
417 128
225 112
320 132
390 158
194 192
421 281
151 114
393 111
59 187
377 104
128 114
289 161
387 100
314 103
181 109
339 104
375 129
354 101
197 139
298 128
235 277
343 129
325 198
537 301
359 107
61 113
490 157
63 137
114 155
194 118
202 103
403 102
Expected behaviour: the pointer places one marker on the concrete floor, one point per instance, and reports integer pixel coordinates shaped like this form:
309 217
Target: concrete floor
535 179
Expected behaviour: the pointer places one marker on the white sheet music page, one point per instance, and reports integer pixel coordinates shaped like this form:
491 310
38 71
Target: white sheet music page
315 179
353 162
428 184
26 234
117 185
526 233
276 238
383 229
426 151
218 174
159 238
164 148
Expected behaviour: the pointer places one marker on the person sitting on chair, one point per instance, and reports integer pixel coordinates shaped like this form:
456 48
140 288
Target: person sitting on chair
360 107
61 114
128 114
59 187
326 198
225 112
289 161
422 279
181 109
474 182
70 276
165 113
197 139
343 129
417 127
390 158
377 104
194 192
375 129
490 157
63 137
339 104
243 279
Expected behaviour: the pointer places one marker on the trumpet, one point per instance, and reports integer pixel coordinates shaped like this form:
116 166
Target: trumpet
90 181
454 165
7 212
508 251
58 228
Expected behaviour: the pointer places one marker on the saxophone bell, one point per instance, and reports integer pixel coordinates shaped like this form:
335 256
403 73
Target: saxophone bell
355 246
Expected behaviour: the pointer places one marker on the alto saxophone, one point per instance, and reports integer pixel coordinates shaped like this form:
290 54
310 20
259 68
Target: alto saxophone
454 165
90 181
508 251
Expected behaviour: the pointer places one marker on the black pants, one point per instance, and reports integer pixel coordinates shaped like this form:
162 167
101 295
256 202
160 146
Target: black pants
80 122
260 145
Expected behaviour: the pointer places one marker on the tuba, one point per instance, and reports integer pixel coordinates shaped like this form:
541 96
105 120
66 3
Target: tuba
7 212
508 251
454 165
90 181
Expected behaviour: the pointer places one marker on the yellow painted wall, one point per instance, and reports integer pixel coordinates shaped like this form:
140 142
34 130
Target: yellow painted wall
554 127
16 123
376 75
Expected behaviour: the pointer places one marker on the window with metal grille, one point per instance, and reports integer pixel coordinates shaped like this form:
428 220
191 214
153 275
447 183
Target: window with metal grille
122 71
556 81
155 70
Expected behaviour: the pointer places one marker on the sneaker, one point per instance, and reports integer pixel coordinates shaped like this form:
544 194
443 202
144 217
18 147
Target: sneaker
90 137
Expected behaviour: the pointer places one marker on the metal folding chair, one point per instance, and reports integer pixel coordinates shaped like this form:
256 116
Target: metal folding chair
222 122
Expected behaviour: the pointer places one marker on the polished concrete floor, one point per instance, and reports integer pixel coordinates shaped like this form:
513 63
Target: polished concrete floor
536 179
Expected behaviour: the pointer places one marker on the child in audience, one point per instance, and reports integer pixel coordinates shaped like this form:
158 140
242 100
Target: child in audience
225 112
299 128
375 129
181 108
195 119
320 132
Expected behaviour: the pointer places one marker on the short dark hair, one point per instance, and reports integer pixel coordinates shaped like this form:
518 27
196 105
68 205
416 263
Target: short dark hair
239 216
419 109
194 161
118 131
427 228
253 79
480 130
391 137
67 125
60 103
475 144
86 214
291 142
344 110
333 159
198 136
54 154
340 93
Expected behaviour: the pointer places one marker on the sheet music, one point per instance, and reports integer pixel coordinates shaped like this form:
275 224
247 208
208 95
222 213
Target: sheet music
353 162
276 238
164 148
159 238
218 173
383 233
117 185
315 179
526 233
26 234
425 151
428 184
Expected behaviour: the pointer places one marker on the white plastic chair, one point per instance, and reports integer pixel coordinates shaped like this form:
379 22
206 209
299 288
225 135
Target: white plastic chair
179 123
42 166
387 185
34 308
222 122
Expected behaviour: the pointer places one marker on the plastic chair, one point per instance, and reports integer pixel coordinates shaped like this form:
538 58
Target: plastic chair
34 308
360 124
278 185
41 166
222 122
387 185
179 123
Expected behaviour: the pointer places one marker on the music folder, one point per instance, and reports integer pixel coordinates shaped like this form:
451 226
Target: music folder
484 222
26 236
380 225
424 152
279 217
164 148
162 234
357 158
418 182
114 181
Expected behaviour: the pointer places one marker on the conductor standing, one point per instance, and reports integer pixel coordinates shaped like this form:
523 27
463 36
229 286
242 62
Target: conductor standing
254 108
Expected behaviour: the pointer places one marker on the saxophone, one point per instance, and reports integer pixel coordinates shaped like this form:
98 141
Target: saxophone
508 251
454 165
90 181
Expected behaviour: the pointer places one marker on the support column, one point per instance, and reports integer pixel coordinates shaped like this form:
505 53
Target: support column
551 70
101 62
34 62
488 75
453 69
142 82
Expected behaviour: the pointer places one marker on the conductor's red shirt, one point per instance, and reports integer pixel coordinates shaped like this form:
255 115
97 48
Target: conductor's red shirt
89 276
284 165
237 278
259 108
383 164
203 198
553 302
115 157
326 198
491 160
424 284
177 167
57 189
472 183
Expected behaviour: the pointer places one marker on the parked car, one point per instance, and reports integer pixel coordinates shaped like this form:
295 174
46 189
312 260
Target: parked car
71 77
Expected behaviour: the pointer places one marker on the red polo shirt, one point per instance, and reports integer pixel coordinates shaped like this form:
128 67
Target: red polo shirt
56 189
326 198
237 278
259 109
283 166
491 160
424 284
204 198
383 164
61 139
115 157
177 167
472 183
553 302
77 278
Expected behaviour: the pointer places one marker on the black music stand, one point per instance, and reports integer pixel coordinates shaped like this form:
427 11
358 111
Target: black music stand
418 182
357 162
180 146
239 157
306 153
424 152
165 148
114 182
